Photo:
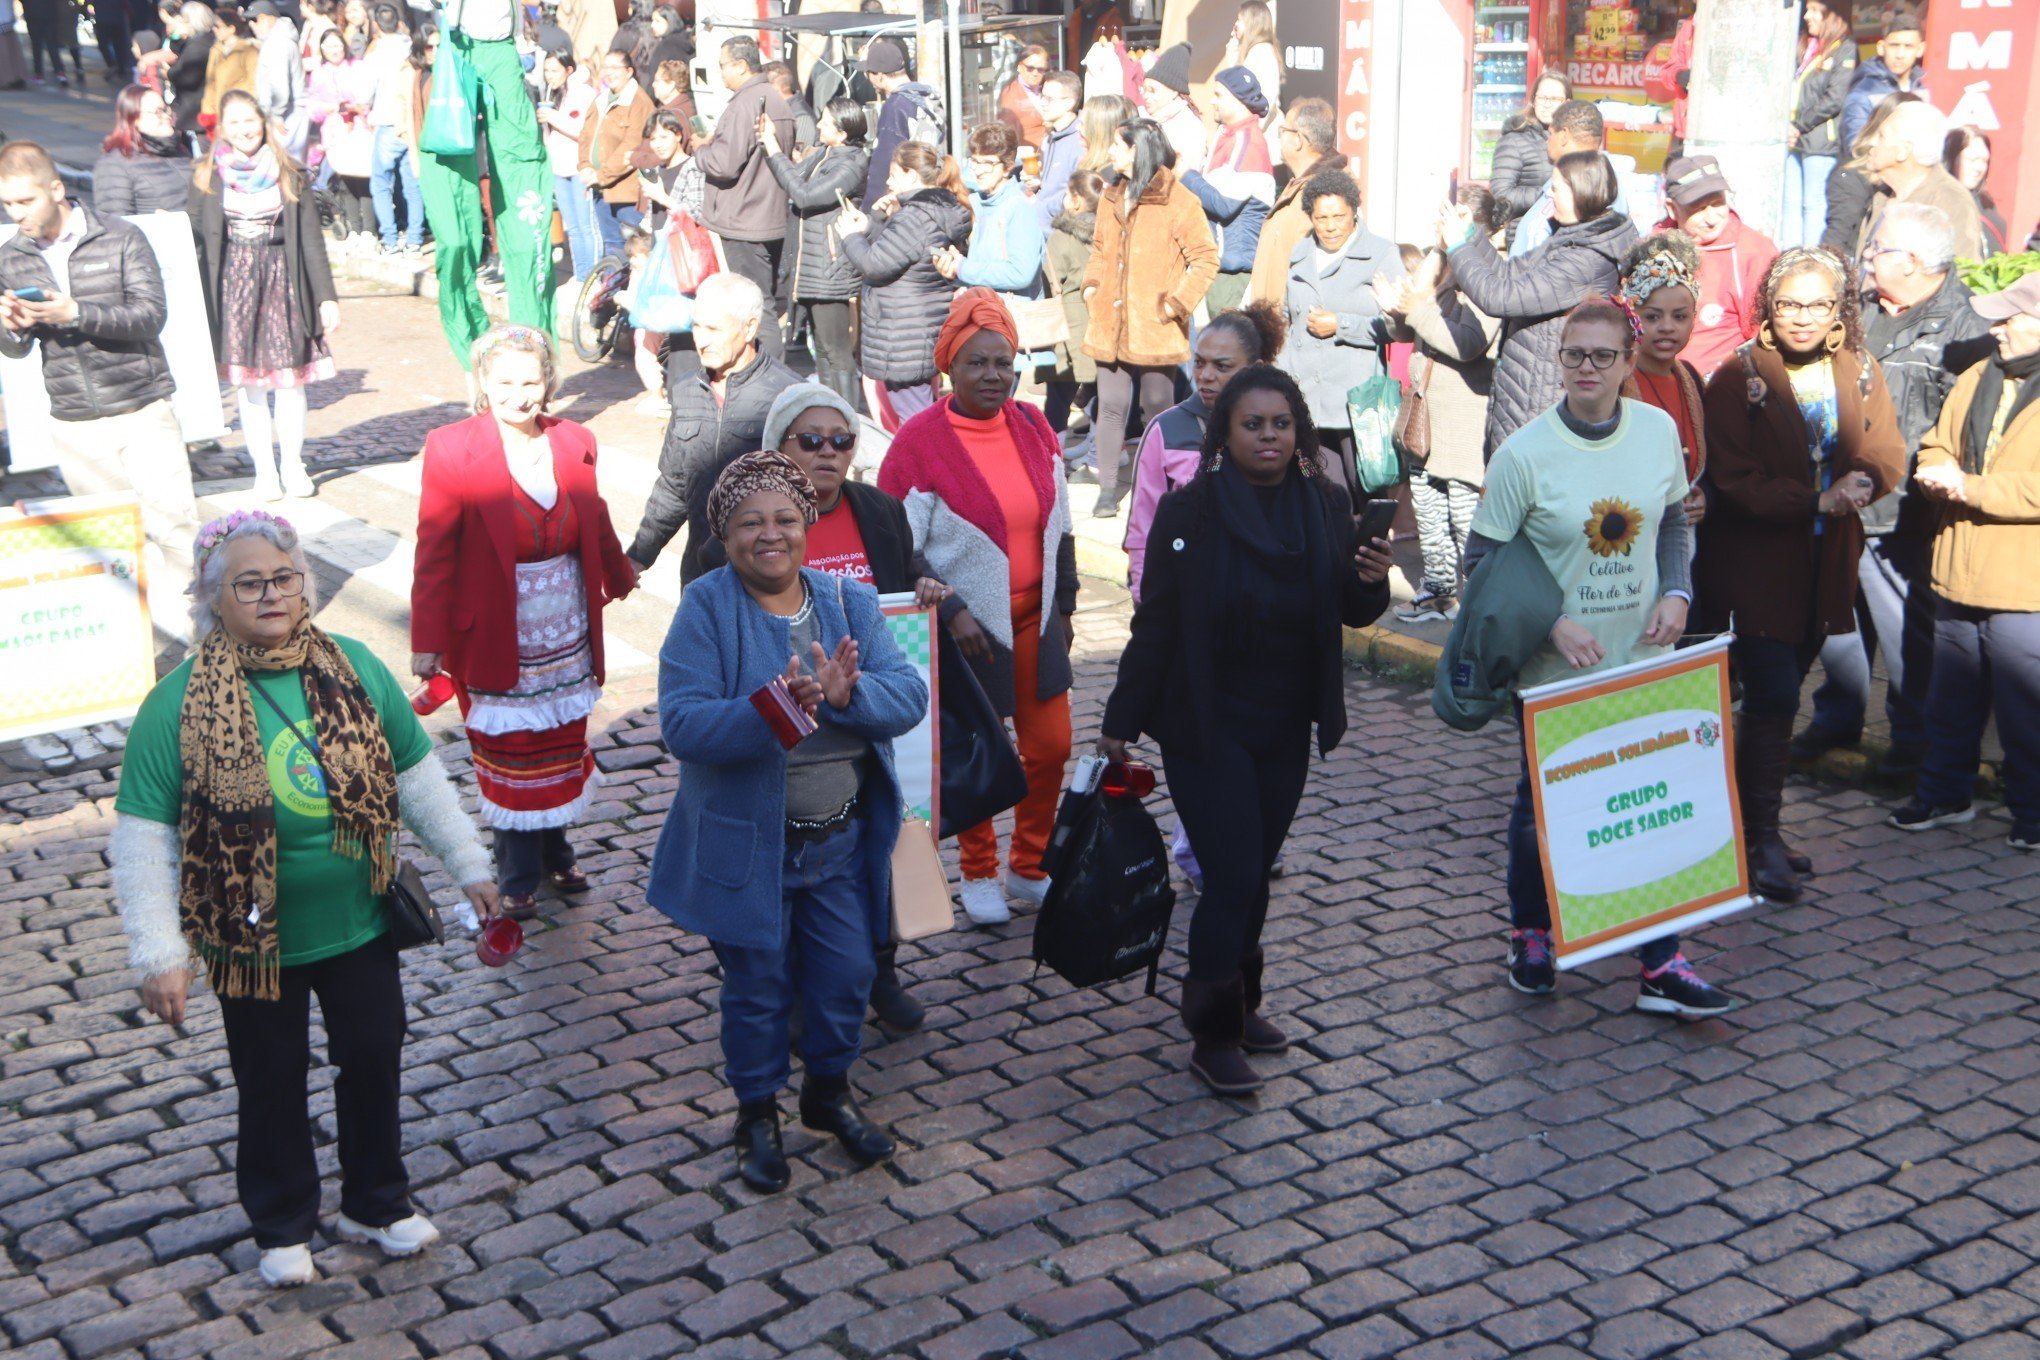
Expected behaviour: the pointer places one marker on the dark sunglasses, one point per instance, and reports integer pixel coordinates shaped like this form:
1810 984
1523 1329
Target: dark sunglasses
812 443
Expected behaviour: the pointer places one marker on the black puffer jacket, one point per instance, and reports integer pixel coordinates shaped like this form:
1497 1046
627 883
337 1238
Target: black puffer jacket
1922 351
1522 165
185 80
703 437
815 268
1530 296
905 300
1821 93
141 183
110 361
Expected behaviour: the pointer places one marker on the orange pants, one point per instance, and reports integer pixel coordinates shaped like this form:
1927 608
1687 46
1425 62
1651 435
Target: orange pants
1042 731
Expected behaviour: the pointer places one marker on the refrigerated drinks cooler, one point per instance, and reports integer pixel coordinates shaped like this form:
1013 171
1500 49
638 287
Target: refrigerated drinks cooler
1504 61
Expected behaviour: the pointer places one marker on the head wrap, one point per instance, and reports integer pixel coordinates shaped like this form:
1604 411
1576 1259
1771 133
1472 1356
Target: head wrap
765 470
789 406
1660 270
971 311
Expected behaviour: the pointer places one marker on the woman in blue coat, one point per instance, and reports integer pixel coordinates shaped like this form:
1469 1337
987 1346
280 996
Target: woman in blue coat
782 857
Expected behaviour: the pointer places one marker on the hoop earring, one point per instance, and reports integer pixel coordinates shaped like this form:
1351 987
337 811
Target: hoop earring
1217 459
1765 338
1837 336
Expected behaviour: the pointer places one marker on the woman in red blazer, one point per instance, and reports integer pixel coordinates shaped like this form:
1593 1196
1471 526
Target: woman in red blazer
516 557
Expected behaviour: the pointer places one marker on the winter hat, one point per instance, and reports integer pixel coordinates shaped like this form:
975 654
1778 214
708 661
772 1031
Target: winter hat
1245 86
1172 69
885 58
789 405
262 9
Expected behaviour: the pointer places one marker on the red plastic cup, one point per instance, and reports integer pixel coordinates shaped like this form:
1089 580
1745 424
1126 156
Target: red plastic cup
500 938
431 696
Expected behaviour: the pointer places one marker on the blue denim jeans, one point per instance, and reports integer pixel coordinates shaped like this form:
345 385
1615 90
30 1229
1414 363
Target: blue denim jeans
1529 902
1984 660
1802 214
389 168
577 215
610 220
825 958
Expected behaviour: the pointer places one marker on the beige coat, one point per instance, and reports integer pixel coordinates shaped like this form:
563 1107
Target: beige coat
1457 368
1148 271
1986 547
1286 225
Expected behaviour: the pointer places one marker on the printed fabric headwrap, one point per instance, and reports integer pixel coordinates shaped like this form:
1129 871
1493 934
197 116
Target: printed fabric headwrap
227 879
971 311
1660 270
765 470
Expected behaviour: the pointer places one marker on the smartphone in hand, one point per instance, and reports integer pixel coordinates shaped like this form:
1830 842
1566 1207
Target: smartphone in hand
30 294
1377 518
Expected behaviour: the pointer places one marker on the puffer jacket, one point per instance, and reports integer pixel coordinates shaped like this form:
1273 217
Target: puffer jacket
1530 295
1237 189
1169 453
905 299
1149 269
1868 87
816 270
110 362
703 437
1069 250
1819 91
1522 164
141 183
1327 368
1922 351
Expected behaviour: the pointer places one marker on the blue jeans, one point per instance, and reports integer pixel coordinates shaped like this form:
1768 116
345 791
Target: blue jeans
825 957
1802 213
577 215
390 166
1895 615
610 220
1984 660
1529 902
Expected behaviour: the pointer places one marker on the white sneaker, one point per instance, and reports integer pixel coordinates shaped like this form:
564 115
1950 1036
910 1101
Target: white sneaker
984 902
405 1237
1028 892
286 1267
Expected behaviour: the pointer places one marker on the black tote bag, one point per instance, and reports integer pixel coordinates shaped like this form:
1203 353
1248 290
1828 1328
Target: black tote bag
981 772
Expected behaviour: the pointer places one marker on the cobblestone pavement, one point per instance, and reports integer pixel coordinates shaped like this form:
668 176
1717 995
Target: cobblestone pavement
1849 1165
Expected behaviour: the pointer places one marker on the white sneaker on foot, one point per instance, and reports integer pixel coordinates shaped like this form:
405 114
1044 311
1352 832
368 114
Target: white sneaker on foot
286 1267
405 1237
1029 892
984 903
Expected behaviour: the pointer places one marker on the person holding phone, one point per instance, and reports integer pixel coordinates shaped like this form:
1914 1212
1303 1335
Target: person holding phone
1801 434
1235 654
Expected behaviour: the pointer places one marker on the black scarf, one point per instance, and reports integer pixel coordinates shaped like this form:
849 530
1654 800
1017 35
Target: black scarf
1283 536
1990 390
173 147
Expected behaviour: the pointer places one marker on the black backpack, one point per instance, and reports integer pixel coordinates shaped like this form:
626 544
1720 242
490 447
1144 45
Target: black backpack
1109 902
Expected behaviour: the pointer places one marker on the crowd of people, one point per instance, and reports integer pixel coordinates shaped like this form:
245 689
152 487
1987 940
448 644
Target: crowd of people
1826 448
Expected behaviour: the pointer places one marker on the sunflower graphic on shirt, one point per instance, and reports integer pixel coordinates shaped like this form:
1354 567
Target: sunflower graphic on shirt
1612 527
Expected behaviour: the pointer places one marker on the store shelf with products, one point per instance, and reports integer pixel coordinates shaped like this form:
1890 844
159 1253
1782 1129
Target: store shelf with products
1615 51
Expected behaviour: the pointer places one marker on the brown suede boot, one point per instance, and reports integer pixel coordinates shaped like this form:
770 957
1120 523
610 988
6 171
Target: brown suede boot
1763 757
1214 1013
1258 1034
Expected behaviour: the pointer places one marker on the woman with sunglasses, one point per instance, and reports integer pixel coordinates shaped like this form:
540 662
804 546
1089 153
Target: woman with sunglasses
1020 105
1801 434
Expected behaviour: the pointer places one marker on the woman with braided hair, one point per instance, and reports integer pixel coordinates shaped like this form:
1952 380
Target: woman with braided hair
305 737
1801 435
1661 292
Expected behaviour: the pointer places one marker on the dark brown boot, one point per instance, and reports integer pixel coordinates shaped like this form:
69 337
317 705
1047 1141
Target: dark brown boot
1215 1013
1763 757
1258 1034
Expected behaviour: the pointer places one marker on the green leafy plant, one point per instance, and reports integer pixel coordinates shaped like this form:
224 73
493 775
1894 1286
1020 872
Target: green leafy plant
1997 273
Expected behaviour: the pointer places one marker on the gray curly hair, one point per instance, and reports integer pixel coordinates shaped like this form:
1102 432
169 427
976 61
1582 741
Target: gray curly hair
209 578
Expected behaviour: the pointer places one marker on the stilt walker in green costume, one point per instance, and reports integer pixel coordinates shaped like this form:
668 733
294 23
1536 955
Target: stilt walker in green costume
479 36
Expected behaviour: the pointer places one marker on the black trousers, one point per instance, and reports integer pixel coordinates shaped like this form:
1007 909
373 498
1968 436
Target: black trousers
521 856
758 261
835 355
1237 798
361 999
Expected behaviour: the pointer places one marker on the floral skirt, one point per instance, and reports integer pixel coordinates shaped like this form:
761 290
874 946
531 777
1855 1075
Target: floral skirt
260 343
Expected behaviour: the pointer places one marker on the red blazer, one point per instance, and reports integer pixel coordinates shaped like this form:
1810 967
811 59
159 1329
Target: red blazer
464 583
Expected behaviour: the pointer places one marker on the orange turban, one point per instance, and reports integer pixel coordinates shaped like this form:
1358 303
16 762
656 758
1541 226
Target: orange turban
971 311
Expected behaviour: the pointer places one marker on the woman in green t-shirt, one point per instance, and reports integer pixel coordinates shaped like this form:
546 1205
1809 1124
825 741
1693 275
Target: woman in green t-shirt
259 799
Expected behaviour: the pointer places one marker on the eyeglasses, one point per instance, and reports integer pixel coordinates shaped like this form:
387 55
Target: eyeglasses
1872 252
812 443
288 584
1572 356
1820 309
1034 68
1284 130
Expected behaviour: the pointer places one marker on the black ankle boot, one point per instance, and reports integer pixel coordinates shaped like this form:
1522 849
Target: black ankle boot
826 1106
889 1000
1215 1015
760 1160
1258 1034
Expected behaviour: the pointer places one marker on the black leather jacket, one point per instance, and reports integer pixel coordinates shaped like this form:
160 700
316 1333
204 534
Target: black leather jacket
108 362
1922 351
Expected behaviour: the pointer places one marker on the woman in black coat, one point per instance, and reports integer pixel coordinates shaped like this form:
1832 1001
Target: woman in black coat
146 166
905 299
1522 159
1530 294
818 277
268 288
184 81
1235 653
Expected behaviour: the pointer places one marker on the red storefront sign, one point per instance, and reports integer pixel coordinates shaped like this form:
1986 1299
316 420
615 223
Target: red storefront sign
1356 72
1983 63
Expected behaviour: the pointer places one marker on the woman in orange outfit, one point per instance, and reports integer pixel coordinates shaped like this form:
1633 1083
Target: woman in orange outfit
982 479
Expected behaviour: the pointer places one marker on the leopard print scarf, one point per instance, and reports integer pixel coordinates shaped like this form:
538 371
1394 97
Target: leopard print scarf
227 892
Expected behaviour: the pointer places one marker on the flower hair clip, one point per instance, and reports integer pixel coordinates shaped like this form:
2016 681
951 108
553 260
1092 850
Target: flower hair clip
220 530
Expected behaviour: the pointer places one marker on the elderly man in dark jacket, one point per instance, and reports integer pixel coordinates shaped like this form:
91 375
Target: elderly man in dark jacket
1923 334
740 201
95 306
719 415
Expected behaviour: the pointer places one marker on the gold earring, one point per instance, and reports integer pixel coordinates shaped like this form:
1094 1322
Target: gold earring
1765 338
1837 336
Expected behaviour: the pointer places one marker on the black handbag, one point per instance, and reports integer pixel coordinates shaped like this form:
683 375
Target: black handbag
981 772
1109 898
413 916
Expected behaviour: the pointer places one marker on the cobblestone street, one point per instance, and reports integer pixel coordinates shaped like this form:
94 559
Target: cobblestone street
1849 1165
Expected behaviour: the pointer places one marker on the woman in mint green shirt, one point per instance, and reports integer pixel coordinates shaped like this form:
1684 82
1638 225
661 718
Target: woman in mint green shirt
259 799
